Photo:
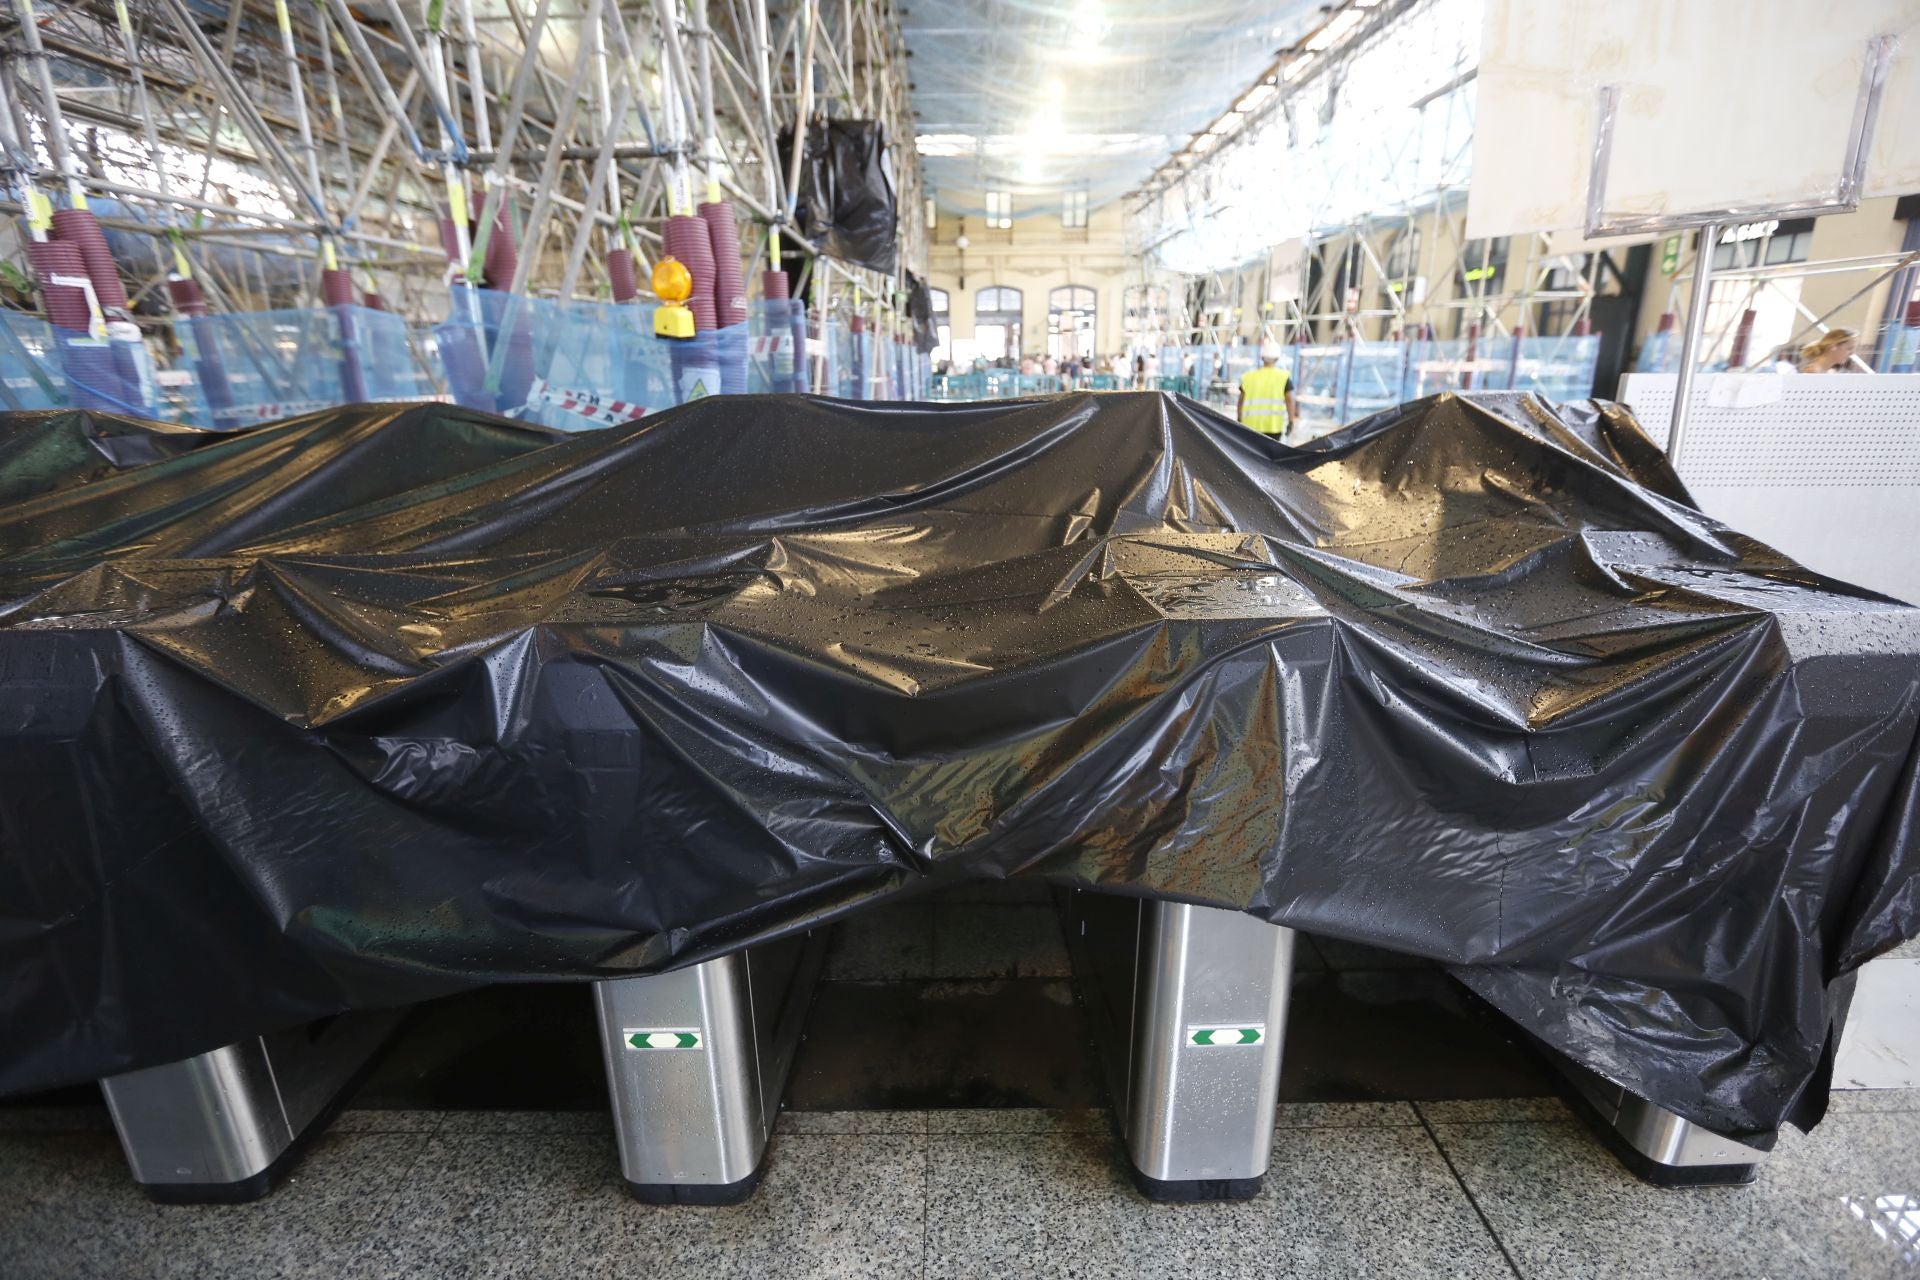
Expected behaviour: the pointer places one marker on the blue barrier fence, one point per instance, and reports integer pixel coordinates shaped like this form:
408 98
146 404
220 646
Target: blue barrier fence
572 365
254 366
1336 382
31 374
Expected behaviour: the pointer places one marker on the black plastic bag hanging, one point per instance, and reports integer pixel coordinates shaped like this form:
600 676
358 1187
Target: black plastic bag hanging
846 202
920 311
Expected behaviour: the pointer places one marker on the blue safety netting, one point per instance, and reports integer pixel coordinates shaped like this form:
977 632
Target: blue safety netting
777 338
43 367
1334 382
1903 349
111 374
577 365
1660 353
31 376
254 366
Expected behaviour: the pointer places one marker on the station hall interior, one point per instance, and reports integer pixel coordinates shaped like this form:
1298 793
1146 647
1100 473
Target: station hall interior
960 638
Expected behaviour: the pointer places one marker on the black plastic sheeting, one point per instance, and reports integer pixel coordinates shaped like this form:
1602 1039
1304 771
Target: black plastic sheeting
41 452
846 202
369 707
920 311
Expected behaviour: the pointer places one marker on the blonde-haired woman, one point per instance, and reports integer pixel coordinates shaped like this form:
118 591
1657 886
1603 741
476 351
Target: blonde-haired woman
1831 352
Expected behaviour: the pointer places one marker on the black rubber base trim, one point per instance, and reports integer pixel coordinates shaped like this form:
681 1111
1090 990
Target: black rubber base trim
707 1193
1645 1167
256 1187
241 1192
1195 1190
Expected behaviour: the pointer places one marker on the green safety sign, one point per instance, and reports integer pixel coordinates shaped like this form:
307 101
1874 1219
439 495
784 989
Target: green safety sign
1210 1037
1670 255
661 1037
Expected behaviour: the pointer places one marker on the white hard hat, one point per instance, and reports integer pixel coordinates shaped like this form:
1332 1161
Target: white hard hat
1269 351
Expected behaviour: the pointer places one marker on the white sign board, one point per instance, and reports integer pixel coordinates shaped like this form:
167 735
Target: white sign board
1723 103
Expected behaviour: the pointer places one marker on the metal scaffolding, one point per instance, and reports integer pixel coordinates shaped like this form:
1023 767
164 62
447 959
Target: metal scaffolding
253 143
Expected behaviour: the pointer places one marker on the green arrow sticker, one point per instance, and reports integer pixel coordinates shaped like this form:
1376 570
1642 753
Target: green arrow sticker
1216 1037
661 1037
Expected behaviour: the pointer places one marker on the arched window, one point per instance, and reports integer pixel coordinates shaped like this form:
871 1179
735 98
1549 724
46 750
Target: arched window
997 297
942 326
1070 322
996 322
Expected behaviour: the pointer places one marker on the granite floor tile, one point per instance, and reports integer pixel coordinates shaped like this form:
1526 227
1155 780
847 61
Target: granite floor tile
531 1206
886 943
68 1207
1859 1101
851 1122
1844 1201
528 1122
1343 1115
977 1120
1493 1110
1351 1202
990 940
380 1120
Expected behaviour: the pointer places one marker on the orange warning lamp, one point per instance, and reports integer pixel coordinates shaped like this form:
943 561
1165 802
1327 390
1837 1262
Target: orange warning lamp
673 285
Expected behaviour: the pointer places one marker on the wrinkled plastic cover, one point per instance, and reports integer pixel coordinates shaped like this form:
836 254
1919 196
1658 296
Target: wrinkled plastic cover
846 200
373 706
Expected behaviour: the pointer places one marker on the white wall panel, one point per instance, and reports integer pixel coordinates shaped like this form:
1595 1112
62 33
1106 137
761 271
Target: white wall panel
1724 102
1825 467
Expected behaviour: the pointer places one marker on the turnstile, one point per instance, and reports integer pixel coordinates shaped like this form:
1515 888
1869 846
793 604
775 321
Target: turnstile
697 1061
1654 1144
222 1127
1188 1009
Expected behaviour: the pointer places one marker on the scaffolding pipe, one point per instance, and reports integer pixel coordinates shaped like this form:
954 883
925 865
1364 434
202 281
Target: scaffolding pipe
1690 341
336 114
302 120
374 77
703 87
476 80
233 96
550 171
763 64
50 105
583 233
388 132
144 105
496 177
804 74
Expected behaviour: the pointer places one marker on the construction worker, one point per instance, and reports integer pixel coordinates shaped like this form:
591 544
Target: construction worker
1266 395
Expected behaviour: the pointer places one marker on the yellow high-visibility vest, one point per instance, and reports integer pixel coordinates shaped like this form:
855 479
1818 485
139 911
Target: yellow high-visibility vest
1263 399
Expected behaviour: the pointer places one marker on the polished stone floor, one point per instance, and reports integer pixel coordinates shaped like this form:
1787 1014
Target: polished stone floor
1490 1188
945 1121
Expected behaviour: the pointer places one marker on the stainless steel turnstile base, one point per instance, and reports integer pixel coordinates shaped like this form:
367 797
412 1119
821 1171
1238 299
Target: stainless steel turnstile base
697 1061
1188 1007
1654 1144
222 1127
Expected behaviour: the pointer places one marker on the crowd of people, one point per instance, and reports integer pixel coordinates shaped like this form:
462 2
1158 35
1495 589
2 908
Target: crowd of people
1142 371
